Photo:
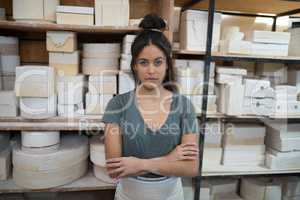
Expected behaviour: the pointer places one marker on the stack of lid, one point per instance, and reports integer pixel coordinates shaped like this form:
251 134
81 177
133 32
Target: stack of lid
43 161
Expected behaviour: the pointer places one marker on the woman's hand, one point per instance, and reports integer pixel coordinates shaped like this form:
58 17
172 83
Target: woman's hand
186 151
124 166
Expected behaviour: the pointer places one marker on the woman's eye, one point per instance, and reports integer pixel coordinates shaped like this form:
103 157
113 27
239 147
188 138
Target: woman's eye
157 63
143 62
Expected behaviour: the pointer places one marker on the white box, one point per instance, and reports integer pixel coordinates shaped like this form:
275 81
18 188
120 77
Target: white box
96 104
236 47
193 30
261 49
294 78
192 68
75 15
5 164
8 63
38 108
8 104
253 86
112 13
270 37
284 130
229 79
35 81
70 89
283 143
65 63
286 90
259 106
61 41
260 189
284 108
213 134
125 62
129 38
126 82
231 71
197 103
102 84
221 186
70 110
244 134
194 85
35 9
231 99
290 160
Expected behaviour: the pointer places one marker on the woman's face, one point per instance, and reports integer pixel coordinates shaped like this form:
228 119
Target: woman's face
150 67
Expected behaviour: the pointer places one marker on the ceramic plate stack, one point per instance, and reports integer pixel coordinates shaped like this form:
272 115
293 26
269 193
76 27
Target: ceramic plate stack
97 154
9 60
283 142
35 85
5 156
243 144
39 169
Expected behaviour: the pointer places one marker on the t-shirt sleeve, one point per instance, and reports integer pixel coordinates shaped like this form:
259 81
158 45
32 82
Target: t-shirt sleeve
113 112
189 121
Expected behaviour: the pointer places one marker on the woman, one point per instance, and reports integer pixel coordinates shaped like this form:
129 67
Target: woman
150 133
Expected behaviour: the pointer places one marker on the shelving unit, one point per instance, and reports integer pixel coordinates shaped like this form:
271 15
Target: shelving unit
254 8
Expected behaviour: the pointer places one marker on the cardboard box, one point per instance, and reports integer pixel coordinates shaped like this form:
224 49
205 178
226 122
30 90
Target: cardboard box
65 63
192 68
194 85
112 13
239 47
29 53
8 104
193 30
294 49
61 41
35 9
254 86
103 84
35 81
75 15
38 108
96 103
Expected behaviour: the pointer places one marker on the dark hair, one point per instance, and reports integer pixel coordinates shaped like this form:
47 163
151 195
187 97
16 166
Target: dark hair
152 33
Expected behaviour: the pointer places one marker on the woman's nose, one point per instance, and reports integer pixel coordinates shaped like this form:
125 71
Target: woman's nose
151 68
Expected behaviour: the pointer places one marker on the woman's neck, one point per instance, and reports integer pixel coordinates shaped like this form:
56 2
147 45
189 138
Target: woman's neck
155 93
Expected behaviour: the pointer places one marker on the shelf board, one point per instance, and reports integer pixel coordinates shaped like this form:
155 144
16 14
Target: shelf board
187 52
218 115
222 170
87 183
37 26
252 58
52 124
253 6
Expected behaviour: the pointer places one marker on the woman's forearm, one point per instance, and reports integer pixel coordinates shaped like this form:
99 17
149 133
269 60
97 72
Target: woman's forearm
167 167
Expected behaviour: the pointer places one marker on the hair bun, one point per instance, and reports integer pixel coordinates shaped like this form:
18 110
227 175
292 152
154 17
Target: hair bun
152 21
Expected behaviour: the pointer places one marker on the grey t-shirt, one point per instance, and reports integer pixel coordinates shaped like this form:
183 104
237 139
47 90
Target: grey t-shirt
138 139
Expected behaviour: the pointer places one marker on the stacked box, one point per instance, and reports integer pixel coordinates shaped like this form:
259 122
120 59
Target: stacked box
193 30
283 141
126 82
8 104
75 15
243 144
112 13
295 39
276 73
35 10
126 56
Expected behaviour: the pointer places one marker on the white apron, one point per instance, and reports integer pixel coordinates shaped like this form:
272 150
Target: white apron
149 189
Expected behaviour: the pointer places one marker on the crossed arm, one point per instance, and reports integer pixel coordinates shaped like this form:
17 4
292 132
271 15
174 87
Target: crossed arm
182 161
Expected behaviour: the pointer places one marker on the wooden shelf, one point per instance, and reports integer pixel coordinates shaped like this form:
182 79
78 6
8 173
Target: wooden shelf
51 124
222 170
87 183
252 6
45 26
187 52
